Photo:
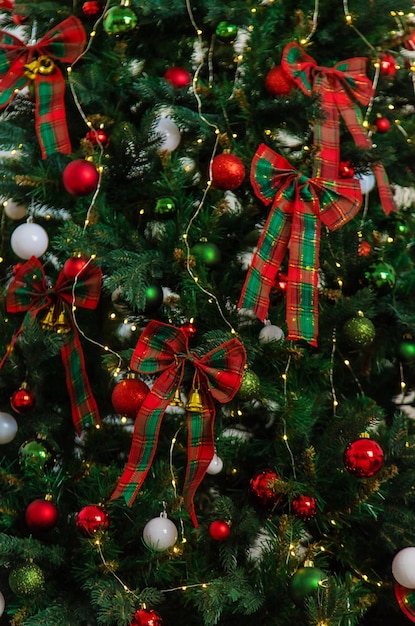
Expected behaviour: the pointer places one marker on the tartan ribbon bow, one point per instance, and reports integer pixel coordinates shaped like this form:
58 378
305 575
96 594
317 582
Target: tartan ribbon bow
29 293
343 89
21 63
163 349
300 205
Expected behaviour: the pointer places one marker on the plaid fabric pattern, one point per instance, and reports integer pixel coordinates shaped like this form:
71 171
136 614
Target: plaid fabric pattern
343 89
163 349
28 293
64 43
300 205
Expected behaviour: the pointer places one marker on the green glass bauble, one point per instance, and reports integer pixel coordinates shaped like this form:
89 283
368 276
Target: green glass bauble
381 277
164 206
154 297
119 20
305 582
359 332
250 385
208 253
26 580
226 32
35 455
407 349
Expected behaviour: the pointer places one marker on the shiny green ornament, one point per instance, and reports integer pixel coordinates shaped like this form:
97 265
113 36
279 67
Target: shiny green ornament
119 20
26 580
407 349
153 297
250 385
164 206
359 332
35 455
208 253
381 277
305 582
226 32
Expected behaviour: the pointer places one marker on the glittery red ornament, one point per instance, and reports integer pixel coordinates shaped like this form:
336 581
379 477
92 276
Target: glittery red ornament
146 617
41 515
91 520
80 177
346 170
277 82
303 507
228 171
23 400
382 125
92 8
98 136
128 395
260 487
387 65
219 530
74 266
363 457
178 77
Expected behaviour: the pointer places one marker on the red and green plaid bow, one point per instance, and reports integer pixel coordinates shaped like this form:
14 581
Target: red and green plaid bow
343 89
300 204
20 63
163 349
29 293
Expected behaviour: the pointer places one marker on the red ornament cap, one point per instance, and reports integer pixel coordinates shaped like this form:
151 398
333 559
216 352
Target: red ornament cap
41 515
363 457
382 125
303 507
278 82
219 530
228 171
23 400
128 395
146 617
260 487
92 519
178 77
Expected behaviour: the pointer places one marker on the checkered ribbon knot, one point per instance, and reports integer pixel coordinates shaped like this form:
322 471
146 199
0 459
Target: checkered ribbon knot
30 293
343 89
299 206
163 350
20 64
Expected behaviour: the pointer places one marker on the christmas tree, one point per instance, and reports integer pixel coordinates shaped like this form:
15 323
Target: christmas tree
208 313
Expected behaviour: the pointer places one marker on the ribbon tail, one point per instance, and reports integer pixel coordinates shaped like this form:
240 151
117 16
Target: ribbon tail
83 404
201 449
51 126
146 433
266 262
385 192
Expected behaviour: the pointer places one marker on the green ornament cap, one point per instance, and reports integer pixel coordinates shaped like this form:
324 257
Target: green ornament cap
26 580
119 20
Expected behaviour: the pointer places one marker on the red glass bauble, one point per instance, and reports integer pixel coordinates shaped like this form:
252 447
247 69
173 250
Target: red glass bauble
409 42
23 400
363 457
219 530
303 507
178 77
128 395
189 329
387 65
98 136
346 170
382 125
406 600
260 487
74 266
146 617
80 178
41 515
92 8
7 5
277 82
228 171
92 519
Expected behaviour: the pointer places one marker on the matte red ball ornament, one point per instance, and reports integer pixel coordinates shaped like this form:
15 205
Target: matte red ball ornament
92 8
363 457
277 82
219 530
303 507
228 171
260 488
178 77
382 125
346 170
92 519
73 267
98 136
41 515
23 400
146 617
387 65
80 178
128 395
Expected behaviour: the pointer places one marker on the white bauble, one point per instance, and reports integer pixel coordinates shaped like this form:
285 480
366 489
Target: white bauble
367 182
8 427
270 333
2 604
215 466
403 567
160 533
168 133
14 210
29 240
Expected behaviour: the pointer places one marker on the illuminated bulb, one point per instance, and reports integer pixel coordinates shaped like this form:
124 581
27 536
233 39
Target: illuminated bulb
346 362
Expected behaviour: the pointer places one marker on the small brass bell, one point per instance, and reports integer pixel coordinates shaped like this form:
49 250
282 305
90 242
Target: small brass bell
176 401
45 65
61 325
194 403
48 322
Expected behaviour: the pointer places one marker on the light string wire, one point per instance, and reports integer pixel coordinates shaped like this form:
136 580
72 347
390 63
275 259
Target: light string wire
314 23
173 478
